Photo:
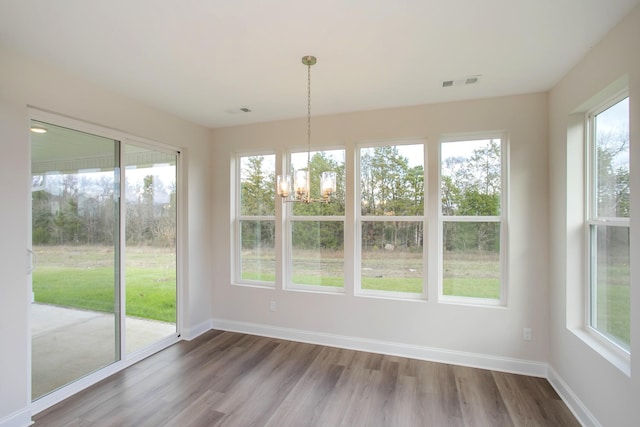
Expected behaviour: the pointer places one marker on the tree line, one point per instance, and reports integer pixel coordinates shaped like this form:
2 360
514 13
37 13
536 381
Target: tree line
471 186
390 186
81 209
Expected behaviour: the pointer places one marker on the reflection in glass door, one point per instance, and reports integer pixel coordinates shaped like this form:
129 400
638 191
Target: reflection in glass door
75 230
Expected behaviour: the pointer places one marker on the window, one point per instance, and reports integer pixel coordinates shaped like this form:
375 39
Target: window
387 231
472 219
391 220
255 259
608 221
315 231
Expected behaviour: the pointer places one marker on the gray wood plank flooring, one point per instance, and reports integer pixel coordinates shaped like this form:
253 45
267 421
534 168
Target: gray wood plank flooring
232 379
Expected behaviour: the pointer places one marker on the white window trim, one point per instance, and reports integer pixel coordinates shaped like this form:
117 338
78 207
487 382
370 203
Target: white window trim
609 348
359 219
236 259
287 220
502 219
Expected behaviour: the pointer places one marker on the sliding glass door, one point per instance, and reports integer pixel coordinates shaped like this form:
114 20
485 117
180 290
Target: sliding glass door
105 282
150 251
75 238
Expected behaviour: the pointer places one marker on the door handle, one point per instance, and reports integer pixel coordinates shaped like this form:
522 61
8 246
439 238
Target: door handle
32 261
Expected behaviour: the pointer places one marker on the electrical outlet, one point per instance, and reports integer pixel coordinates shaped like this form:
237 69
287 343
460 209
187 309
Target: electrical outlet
527 334
272 306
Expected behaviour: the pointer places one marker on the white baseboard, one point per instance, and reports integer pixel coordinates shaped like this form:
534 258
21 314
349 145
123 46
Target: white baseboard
17 419
482 361
576 406
197 330
495 363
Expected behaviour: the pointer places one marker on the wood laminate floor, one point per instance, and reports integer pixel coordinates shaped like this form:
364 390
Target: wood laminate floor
232 379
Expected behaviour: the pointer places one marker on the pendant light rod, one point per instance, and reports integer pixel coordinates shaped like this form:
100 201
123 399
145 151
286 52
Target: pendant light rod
302 193
309 61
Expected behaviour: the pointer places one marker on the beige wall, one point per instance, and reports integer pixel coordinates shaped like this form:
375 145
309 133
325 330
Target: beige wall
540 255
25 82
496 332
14 393
608 394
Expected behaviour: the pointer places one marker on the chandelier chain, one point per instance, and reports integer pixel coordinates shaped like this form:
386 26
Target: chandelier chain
309 118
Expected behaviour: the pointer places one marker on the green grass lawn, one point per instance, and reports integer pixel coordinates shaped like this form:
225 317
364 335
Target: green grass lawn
91 289
84 278
393 284
471 287
614 313
465 275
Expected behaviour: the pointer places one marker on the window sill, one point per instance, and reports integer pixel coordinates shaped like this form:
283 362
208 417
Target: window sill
389 295
470 301
256 284
615 356
328 290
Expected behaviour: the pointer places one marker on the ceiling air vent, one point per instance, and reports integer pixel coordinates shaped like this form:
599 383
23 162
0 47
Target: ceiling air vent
469 80
238 110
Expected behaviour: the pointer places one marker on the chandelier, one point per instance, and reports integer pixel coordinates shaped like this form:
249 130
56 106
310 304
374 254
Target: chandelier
298 189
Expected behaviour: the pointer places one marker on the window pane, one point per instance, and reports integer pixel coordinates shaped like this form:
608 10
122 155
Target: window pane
76 229
392 256
150 258
392 180
318 253
257 181
612 161
471 259
471 182
610 283
321 161
257 255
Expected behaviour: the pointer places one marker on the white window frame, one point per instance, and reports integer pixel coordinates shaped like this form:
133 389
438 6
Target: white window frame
238 218
360 219
125 358
593 220
288 218
502 219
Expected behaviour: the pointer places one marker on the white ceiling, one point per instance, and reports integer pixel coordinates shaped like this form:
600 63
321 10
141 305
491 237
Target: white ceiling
203 60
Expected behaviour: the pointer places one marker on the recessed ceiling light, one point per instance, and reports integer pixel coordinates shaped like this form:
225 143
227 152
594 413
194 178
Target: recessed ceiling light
37 129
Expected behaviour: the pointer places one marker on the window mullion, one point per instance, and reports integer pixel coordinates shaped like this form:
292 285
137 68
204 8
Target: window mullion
471 218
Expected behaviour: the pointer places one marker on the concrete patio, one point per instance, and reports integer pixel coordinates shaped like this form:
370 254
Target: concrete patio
68 344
